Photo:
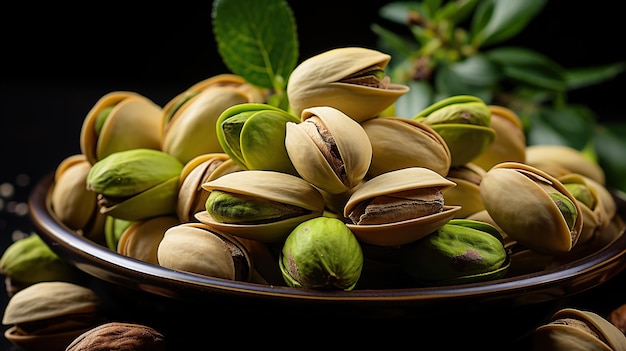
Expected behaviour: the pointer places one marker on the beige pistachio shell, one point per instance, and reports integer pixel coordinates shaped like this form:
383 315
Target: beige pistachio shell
201 169
509 144
563 159
72 203
196 248
516 197
141 239
133 122
47 300
401 142
466 193
573 329
276 186
321 166
191 130
317 81
405 231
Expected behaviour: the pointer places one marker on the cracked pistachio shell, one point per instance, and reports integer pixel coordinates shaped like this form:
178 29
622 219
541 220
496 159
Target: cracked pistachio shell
595 218
191 130
466 193
339 78
72 203
49 315
136 184
559 160
141 239
464 123
573 329
201 169
394 184
509 144
274 186
253 135
196 248
461 251
517 197
333 153
401 142
120 120
321 253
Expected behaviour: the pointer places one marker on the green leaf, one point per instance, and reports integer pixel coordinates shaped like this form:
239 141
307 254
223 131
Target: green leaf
418 98
584 77
498 20
528 66
394 44
456 11
569 126
611 147
398 12
474 76
257 40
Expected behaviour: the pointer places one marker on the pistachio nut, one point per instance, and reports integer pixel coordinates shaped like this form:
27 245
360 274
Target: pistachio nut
574 329
350 79
49 315
260 205
399 206
201 169
120 336
253 135
461 251
136 184
466 193
509 144
72 203
30 260
558 160
321 253
196 248
329 149
141 239
120 120
401 142
190 131
463 121
532 207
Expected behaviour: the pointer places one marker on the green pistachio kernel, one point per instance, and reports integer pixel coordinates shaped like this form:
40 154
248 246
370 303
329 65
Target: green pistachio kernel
239 208
567 208
582 193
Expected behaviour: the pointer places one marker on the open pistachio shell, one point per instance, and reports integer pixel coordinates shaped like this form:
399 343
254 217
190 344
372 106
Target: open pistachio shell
333 152
565 159
196 248
401 142
120 120
393 184
141 239
191 130
519 199
201 169
253 135
466 193
344 78
278 187
573 329
509 144
72 203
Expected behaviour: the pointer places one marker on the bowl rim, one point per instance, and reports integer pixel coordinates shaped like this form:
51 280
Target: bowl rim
105 264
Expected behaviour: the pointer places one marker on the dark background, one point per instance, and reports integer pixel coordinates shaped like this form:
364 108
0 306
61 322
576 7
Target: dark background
59 59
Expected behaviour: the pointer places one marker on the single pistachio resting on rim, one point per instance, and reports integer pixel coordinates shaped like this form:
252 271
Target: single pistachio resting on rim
350 79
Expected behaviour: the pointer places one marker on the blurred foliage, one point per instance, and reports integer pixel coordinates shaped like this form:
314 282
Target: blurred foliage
444 48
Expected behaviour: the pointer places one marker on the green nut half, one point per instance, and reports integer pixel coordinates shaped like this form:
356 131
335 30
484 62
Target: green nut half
461 251
321 253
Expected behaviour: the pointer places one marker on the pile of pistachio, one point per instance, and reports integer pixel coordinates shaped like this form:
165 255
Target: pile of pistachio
332 191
